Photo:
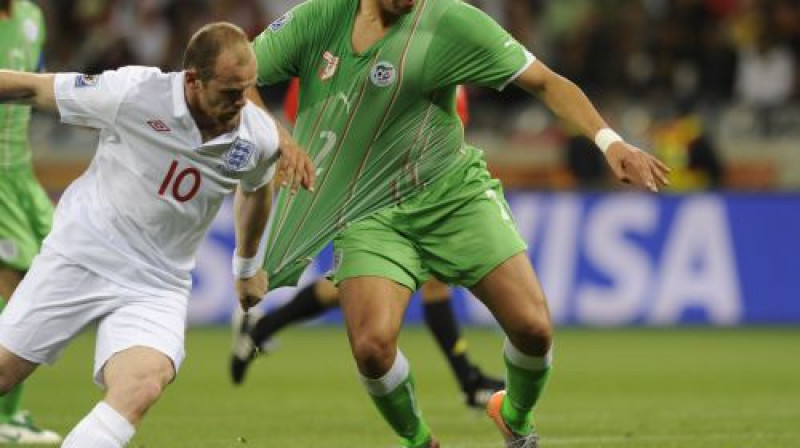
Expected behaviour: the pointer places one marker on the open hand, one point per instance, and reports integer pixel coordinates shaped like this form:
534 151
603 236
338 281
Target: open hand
634 166
295 167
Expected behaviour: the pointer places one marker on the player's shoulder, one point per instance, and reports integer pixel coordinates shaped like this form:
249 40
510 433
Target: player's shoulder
134 83
30 16
455 9
308 15
27 8
137 75
260 126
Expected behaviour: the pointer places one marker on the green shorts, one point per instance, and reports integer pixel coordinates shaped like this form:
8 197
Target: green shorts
27 216
458 229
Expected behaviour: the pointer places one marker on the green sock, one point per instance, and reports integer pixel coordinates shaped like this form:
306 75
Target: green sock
523 389
399 409
9 403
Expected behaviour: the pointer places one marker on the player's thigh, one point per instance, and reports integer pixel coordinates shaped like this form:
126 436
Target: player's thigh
126 369
9 279
434 290
56 299
377 247
472 239
373 306
513 294
13 369
157 323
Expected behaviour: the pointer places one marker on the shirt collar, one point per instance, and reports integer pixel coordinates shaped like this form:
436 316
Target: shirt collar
179 108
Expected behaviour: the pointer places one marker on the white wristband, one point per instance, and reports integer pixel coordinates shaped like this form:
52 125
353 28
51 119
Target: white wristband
245 267
606 137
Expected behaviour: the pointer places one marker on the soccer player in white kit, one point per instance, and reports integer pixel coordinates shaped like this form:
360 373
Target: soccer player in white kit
171 147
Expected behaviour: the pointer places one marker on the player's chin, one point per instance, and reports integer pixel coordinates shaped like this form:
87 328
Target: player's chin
404 6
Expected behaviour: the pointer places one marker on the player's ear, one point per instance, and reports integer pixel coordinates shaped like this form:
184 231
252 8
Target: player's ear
192 79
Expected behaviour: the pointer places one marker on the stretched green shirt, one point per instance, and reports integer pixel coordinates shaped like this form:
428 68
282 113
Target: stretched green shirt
22 36
381 124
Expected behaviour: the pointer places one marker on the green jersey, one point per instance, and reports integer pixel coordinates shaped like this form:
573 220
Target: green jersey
22 37
379 125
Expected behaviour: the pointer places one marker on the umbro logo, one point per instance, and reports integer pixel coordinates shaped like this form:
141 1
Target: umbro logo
159 126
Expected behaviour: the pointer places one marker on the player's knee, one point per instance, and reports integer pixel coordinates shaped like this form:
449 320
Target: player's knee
374 355
7 382
534 335
142 394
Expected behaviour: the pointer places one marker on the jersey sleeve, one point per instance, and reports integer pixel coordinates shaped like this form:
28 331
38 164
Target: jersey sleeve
93 100
281 47
471 48
268 152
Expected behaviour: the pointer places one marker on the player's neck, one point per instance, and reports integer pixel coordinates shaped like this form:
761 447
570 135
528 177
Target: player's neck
370 11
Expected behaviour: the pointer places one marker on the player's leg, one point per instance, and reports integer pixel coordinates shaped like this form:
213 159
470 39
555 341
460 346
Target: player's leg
512 293
491 259
441 321
139 350
135 379
373 308
10 400
252 336
378 269
27 216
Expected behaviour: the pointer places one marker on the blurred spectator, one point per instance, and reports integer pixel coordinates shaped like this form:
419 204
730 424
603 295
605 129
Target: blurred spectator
766 77
586 163
684 144
144 29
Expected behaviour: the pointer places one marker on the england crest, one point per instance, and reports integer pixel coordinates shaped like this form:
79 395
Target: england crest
240 153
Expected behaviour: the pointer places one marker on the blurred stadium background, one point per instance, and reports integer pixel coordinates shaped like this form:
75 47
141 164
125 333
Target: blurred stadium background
711 86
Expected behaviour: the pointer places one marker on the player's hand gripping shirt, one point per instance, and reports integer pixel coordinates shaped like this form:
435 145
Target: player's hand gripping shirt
139 212
379 125
21 39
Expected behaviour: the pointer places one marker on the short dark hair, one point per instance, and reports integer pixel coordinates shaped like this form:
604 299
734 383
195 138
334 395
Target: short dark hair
208 43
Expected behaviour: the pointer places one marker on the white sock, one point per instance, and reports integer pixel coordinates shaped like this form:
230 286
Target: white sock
384 385
527 362
102 428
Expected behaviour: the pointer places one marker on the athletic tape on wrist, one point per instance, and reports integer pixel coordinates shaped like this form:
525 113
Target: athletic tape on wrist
245 267
605 138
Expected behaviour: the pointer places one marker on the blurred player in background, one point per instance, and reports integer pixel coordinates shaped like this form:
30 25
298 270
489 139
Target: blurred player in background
25 209
253 332
123 243
401 194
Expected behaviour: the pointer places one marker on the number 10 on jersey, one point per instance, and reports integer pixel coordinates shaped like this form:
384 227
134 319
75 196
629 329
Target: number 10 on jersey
184 185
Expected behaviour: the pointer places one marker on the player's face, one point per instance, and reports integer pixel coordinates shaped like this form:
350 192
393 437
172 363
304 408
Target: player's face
222 97
397 7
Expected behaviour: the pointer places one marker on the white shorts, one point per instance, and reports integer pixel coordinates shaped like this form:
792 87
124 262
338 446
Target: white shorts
58 298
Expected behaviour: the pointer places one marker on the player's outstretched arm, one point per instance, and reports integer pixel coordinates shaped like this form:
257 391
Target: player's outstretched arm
251 212
568 102
28 88
295 167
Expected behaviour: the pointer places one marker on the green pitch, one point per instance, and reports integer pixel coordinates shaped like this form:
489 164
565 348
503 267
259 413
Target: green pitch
687 388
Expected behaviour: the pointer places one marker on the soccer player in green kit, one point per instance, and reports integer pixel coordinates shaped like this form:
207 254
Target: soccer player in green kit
402 195
24 206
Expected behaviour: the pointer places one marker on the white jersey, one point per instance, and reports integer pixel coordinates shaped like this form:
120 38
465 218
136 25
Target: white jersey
139 212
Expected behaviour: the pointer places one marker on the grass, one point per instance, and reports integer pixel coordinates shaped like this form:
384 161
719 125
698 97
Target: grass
643 388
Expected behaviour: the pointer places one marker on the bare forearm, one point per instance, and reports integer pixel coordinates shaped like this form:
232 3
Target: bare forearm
251 212
566 100
27 88
570 104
